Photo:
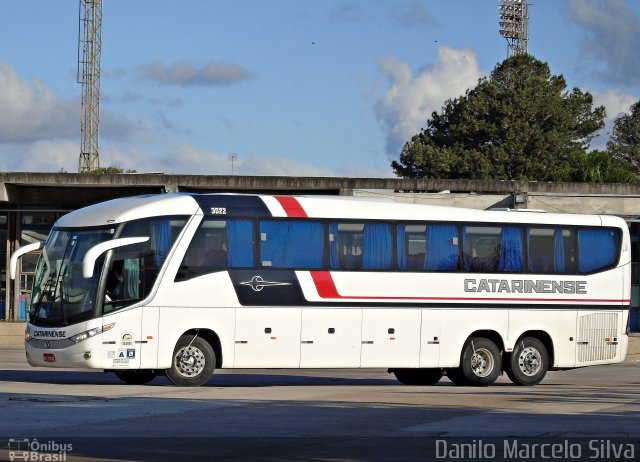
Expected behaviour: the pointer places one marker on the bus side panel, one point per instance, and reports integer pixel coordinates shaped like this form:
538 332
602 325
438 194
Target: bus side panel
459 324
149 337
432 321
204 302
267 337
175 321
122 345
390 337
331 337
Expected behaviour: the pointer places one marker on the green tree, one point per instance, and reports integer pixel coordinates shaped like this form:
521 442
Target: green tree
600 167
519 123
110 170
624 144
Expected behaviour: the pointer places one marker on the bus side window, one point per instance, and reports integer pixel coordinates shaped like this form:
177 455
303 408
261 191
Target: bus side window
135 268
442 248
598 249
218 245
411 246
489 249
346 242
291 244
481 248
550 250
354 246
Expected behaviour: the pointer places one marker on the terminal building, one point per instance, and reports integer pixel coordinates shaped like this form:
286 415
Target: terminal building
31 202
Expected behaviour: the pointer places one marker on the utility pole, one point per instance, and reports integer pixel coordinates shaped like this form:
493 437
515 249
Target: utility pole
89 62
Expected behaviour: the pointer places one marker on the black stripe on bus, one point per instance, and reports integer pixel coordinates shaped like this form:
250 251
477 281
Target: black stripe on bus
227 205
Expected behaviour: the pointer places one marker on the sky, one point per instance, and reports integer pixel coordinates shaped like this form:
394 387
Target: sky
288 87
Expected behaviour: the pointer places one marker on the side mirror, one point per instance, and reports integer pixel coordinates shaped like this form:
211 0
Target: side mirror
13 262
89 260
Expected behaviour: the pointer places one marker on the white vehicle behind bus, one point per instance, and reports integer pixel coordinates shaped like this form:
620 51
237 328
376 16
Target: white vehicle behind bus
182 284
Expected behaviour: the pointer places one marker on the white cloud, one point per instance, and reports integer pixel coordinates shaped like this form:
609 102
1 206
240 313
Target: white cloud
616 104
410 100
31 112
40 156
187 159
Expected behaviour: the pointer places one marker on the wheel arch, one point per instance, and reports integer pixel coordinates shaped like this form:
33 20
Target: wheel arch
212 338
492 335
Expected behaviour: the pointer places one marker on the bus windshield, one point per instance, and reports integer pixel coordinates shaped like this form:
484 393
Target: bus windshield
61 295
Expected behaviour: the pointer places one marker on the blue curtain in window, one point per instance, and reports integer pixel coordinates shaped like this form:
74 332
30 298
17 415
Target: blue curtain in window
240 243
597 249
334 261
558 259
292 244
510 249
131 274
442 251
401 250
377 247
161 239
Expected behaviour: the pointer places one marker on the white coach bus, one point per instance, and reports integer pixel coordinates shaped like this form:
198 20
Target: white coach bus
185 283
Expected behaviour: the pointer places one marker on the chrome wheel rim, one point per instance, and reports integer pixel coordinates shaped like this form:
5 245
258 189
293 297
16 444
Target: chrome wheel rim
529 361
189 361
482 362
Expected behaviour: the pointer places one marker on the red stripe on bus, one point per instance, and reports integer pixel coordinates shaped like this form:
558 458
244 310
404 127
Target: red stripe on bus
326 287
324 284
291 206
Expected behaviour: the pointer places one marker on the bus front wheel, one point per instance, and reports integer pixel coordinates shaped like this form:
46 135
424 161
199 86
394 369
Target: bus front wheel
193 362
529 362
481 362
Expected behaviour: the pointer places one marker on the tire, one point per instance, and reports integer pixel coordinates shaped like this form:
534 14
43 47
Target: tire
137 376
481 362
457 377
528 363
193 362
419 377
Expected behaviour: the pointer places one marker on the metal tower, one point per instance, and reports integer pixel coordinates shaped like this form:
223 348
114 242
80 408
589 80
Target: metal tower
514 25
89 62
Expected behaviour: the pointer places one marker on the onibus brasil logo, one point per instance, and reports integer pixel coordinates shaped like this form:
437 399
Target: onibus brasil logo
34 450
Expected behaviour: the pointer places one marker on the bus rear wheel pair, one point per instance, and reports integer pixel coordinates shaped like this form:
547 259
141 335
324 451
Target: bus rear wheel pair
481 363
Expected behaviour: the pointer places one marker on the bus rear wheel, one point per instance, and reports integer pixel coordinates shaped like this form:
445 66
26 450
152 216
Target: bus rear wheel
529 362
193 362
481 362
137 376
418 376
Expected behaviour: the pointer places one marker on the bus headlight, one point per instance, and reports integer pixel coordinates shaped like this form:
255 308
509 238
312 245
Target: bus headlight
90 333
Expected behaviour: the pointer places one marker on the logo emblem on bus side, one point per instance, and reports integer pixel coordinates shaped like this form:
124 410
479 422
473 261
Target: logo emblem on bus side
257 283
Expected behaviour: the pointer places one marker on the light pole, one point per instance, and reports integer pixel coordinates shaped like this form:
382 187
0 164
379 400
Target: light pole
232 159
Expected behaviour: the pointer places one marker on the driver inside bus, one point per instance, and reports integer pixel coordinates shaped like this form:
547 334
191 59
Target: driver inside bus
115 282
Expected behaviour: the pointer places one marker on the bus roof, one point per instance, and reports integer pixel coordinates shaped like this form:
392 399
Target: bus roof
338 207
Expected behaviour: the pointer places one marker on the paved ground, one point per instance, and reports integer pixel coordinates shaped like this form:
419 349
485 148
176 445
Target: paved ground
316 415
